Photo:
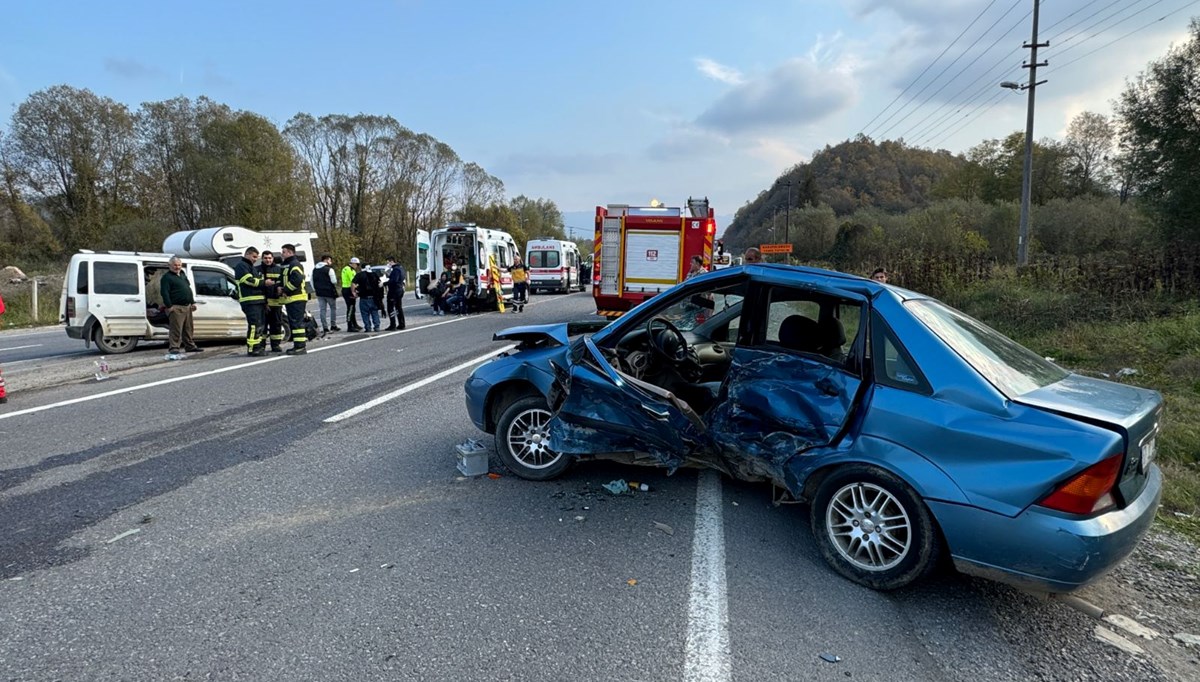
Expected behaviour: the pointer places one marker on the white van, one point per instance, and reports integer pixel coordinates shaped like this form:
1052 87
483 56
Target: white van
421 274
228 243
470 246
554 265
112 299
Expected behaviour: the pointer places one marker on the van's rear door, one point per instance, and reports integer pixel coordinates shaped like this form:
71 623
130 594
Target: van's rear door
117 298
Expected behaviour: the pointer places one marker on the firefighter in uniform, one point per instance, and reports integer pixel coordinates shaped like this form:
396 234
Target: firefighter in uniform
272 275
253 300
295 299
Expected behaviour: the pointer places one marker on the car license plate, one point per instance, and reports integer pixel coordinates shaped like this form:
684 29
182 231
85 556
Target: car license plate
1149 450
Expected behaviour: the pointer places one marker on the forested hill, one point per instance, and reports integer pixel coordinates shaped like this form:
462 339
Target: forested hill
855 174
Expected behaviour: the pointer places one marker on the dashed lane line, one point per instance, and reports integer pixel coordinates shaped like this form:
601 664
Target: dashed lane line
706 653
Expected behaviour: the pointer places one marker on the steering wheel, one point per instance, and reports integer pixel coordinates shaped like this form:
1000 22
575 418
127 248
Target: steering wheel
667 340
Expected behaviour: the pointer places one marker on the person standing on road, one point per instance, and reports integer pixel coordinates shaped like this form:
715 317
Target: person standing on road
397 278
366 288
520 279
325 283
295 299
254 302
272 274
348 273
180 303
3 393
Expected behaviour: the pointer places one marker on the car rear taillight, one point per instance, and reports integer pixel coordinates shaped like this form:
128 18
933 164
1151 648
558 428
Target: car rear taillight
1087 492
70 308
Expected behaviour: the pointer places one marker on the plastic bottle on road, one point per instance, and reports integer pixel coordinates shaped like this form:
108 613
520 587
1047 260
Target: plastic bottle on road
101 369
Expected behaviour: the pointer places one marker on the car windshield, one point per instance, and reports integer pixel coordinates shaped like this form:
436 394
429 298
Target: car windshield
1012 368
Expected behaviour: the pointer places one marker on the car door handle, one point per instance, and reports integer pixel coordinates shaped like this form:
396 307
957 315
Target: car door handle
661 414
133 300
827 387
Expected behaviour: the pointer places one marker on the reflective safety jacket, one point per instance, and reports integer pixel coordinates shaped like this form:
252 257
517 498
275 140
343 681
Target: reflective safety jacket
275 272
293 281
249 283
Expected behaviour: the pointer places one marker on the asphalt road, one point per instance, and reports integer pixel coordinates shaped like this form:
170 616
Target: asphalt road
202 519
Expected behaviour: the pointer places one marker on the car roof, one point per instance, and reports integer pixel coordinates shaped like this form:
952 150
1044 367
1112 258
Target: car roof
783 274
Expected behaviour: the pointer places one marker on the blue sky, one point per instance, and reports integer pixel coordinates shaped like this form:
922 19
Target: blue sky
606 102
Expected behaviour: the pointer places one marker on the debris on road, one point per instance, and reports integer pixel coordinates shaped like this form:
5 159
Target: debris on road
146 519
579 518
634 485
1130 625
631 582
472 458
831 658
664 528
131 531
386 565
354 570
101 369
1107 636
493 475
616 487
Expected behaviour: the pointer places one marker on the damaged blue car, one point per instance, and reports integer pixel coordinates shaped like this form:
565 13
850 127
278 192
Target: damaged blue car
914 431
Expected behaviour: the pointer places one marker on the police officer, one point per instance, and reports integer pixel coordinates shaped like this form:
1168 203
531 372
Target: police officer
295 299
253 300
272 275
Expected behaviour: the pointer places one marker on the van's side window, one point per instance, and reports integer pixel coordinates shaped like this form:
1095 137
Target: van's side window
115 278
81 279
210 282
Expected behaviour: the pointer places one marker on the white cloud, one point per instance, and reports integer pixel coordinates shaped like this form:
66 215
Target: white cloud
719 72
132 69
796 93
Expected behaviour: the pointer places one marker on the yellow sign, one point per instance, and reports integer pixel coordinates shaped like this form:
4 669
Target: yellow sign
775 248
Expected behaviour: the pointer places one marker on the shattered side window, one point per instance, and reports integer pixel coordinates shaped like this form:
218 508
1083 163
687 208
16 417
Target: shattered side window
709 314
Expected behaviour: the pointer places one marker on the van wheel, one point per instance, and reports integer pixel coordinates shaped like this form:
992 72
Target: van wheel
113 345
521 440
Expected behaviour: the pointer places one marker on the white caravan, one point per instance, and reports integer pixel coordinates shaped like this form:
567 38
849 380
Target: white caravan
468 246
227 244
554 265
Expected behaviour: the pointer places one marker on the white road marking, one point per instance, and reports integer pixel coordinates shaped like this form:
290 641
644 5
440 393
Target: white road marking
415 385
36 345
706 654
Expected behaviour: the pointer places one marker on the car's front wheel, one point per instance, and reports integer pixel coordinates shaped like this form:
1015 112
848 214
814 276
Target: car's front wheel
872 528
114 345
522 440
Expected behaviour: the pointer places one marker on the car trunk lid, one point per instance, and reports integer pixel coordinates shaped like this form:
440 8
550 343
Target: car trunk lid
1133 412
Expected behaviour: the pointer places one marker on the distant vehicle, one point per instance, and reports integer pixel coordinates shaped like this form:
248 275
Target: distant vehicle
644 250
470 247
914 431
112 299
722 258
227 244
554 265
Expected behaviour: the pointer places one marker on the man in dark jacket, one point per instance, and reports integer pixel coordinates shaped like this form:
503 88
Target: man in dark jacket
254 302
397 278
295 299
325 285
180 302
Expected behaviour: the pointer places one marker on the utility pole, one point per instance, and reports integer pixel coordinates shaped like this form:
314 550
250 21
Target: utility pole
787 225
1027 178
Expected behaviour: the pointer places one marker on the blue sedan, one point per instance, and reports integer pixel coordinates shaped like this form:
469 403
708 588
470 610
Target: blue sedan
914 431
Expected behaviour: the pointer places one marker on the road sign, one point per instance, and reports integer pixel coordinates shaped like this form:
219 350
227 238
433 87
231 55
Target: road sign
775 248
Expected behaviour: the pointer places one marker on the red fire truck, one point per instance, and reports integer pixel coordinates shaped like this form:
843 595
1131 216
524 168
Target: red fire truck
643 250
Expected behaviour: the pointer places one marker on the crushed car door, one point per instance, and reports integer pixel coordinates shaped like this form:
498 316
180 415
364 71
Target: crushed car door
604 411
788 392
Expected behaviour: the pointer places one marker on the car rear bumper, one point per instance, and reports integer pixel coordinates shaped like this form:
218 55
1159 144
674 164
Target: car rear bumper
1044 550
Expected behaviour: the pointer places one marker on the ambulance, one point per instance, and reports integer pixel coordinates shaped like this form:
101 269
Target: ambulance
554 265
469 248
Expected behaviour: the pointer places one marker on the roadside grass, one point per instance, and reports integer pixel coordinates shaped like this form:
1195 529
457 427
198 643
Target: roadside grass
18 302
1156 336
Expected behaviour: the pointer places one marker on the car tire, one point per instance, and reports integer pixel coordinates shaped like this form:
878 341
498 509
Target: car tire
520 438
849 505
113 345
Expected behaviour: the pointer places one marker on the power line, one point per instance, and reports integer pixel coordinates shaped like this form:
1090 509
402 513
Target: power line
930 66
1142 28
986 92
1107 28
993 102
947 103
988 81
1073 14
1088 18
963 54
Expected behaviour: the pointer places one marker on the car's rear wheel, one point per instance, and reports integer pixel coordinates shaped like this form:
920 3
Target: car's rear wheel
872 528
522 440
114 345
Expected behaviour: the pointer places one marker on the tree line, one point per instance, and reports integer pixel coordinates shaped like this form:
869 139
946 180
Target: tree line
81 170
1117 189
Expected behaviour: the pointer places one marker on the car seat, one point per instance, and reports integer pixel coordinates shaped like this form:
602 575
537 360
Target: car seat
800 333
832 336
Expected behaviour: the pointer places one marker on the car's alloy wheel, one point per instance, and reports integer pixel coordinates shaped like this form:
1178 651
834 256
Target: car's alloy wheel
874 529
522 440
868 526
